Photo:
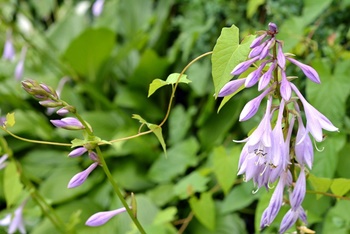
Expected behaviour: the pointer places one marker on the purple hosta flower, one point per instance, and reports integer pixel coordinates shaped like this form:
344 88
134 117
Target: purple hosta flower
77 152
257 41
315 121
15 221
266 77
298 194
285 89
80 178
254 76
101 218
291 217
3 161
243 66
231 87
9 50
20 65
252 106
63 111
307 70
273 28
97 7
68 123
304 151
276 201
281 58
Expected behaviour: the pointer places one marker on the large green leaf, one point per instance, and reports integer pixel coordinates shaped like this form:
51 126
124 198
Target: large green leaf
340 186
227 53
204 209
337 220
180 157
225 166
320 184
88 51
189 185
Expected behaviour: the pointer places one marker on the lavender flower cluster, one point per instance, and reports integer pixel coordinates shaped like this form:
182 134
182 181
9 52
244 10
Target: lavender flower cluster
268 154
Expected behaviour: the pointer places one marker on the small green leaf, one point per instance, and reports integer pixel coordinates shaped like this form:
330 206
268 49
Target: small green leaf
77 142
156 84
158 132
165 216
12 184
204 209
172 78
225 167
320 184
138 117
340 186
10 119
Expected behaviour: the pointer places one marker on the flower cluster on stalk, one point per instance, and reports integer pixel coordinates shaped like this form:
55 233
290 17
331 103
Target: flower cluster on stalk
49 98
269 154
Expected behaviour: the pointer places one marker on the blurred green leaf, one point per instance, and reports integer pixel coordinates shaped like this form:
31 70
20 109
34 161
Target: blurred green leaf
191 184
240 196
180 157
166 215
319 184
226 166
252 7
12 184
314 8
228 53
340 186
89 50
204 209
344 160
179 123
161 194
337 220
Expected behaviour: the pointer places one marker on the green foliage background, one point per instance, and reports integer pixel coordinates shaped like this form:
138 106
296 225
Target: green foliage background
112 59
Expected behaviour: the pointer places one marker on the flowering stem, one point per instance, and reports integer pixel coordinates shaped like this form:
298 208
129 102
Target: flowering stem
117 191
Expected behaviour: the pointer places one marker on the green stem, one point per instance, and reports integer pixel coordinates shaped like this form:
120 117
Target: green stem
117 191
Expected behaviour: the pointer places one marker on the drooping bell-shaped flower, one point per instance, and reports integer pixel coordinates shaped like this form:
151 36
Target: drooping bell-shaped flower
250 109
291 217
315 121
285 89
304 151
298 194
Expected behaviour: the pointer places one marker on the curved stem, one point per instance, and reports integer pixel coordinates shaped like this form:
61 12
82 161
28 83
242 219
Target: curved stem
117 191
35 141
328 194
177 83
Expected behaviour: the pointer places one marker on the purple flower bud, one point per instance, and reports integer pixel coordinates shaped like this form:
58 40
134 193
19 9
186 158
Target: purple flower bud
69 123
266 77
80 178
252 106
63 111
257 41
307 70
97 7
266 49
3 161
290 218
101 218
298 194
273 27
281 58
77 152
93 156
257 50
20 65
285 89
231 87
9 50
315 121
50 103
242 67
254 76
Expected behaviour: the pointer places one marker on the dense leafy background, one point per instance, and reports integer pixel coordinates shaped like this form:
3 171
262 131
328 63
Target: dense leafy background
112 59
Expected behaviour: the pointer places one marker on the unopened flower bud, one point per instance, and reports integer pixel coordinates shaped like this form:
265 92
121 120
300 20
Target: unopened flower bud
68 123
